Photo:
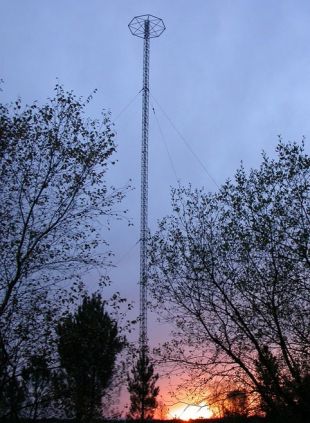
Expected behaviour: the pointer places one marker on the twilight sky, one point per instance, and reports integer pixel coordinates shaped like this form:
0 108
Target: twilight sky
230 75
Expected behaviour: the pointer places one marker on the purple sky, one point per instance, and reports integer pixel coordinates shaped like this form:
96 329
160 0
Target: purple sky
230 74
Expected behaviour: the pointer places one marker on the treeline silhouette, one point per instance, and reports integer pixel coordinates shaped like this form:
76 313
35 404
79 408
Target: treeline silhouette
229 271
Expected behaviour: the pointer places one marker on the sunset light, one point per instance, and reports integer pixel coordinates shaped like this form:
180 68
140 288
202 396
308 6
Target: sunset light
190 412
155 211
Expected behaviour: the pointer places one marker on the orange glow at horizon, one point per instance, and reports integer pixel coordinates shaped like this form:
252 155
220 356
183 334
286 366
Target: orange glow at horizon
190 412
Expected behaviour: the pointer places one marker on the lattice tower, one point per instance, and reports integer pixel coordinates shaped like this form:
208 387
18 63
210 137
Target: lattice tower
146 27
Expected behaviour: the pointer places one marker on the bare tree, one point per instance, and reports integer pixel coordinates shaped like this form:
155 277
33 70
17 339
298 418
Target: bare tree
231 272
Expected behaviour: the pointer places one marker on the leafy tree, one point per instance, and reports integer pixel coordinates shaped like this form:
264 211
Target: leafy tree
37 380
27 339
11 396
53 164
236 403
142 389
230 270
53 203
88 343
268 374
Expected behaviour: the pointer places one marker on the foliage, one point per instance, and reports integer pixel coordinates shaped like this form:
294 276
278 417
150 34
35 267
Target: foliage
142 389
27 348
162 410
231 271
268 374
54 201
11 395
37 382
236 403
88 343
53 162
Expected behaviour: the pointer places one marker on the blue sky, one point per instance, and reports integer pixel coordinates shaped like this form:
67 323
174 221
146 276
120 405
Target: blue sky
230 74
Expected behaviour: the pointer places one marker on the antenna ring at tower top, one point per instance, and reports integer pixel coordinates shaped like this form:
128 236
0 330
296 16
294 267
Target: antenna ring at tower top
155 29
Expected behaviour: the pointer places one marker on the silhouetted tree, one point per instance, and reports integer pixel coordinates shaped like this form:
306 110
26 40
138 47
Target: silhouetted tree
12 396
162 410
236 403
303 396
231 271
38 387
53 163
268 375
142 389
88 343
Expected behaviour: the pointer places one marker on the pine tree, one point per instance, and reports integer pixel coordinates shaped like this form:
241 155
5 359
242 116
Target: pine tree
88 343
142 388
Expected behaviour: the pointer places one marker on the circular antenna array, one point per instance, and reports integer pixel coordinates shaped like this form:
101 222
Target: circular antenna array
137 26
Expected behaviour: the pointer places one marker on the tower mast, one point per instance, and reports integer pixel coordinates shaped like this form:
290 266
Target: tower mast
146 27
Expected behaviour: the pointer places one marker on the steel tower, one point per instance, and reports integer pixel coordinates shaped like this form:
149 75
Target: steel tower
146 27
